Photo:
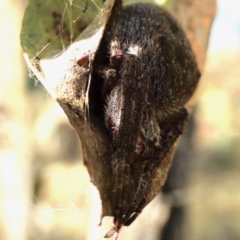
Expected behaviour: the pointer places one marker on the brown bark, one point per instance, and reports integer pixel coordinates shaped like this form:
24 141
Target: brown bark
196 18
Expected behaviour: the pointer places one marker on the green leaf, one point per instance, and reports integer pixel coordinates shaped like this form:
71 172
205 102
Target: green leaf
51 26
53 57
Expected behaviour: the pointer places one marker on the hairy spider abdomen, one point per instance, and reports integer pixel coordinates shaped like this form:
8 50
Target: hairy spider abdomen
156 74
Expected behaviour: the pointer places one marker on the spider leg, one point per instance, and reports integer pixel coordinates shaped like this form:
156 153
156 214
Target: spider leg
169 134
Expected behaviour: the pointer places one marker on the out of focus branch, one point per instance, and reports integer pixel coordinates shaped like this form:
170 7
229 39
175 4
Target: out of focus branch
196 18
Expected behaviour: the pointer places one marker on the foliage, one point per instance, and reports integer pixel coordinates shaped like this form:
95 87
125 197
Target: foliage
49 26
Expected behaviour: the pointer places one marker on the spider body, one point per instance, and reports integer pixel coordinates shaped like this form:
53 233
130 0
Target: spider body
154 73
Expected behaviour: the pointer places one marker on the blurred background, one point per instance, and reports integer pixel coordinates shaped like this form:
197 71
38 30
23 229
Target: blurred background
45 192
